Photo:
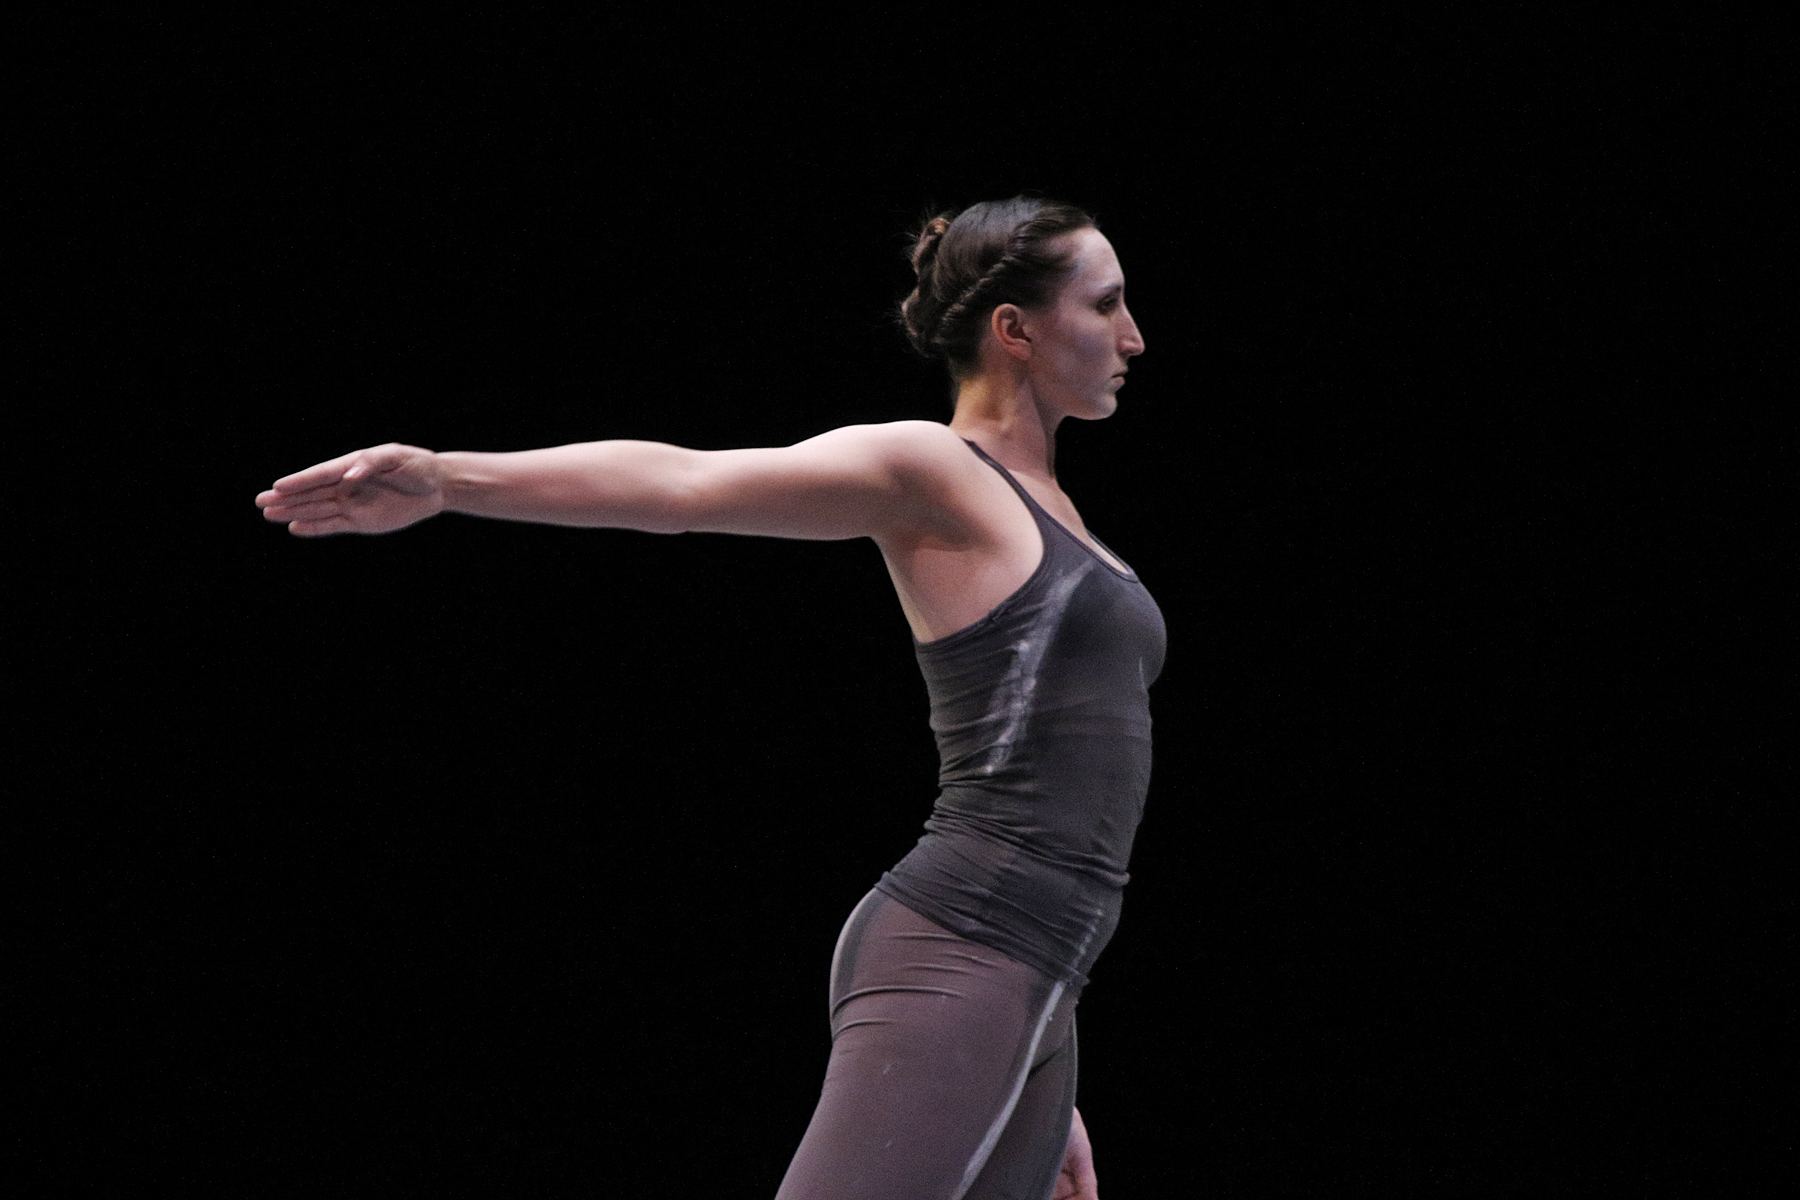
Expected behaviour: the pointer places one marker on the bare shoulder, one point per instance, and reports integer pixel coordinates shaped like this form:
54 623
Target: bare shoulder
896 440
920 454
950 494
888 480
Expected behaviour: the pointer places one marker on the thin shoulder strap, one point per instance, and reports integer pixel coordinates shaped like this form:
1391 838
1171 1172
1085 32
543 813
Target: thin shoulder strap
1045 520
1006 475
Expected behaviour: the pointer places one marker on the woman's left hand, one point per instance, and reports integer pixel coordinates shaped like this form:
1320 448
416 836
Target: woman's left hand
1077 1180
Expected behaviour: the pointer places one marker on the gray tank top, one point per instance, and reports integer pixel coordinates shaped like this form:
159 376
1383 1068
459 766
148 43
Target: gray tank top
1042 716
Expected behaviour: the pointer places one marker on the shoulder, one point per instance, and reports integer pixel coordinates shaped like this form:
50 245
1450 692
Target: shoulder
943 489
895 438
913 452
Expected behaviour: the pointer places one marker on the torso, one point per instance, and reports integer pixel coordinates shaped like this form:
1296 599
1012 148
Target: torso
1040 709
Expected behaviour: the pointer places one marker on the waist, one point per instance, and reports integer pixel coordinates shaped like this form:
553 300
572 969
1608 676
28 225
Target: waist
1054 915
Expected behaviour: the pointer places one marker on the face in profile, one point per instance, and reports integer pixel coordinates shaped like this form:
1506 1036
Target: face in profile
1084 343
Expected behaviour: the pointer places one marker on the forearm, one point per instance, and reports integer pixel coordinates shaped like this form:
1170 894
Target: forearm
616 484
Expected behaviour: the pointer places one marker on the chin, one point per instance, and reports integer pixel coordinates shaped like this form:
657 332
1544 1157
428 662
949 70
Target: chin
1094 405
1097 411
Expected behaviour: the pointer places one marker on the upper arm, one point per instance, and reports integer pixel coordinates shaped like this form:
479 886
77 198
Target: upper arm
858 481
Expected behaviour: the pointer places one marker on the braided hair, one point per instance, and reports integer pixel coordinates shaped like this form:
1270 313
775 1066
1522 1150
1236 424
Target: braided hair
969 263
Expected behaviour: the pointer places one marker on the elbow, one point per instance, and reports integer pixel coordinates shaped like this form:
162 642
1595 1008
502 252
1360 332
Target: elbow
661 523
681 504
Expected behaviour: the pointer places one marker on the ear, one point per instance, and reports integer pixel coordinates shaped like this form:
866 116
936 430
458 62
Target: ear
1007 324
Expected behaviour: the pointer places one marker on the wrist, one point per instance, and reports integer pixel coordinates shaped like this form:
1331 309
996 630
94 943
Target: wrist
459 478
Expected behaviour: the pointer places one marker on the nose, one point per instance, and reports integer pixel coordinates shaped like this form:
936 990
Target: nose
1131 342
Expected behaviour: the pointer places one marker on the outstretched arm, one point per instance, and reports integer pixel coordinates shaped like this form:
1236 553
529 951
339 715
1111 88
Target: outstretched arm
862 480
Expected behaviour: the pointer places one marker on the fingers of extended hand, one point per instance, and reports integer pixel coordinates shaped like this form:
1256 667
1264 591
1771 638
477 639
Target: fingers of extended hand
322 527
319 475
273 499
358 464
294 509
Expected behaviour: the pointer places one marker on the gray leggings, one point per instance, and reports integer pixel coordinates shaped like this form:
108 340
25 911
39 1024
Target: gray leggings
952 1072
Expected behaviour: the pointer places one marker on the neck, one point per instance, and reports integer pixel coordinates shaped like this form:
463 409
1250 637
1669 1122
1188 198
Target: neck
1000 414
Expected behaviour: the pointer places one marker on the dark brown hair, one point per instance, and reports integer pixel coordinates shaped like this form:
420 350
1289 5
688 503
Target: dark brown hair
969 263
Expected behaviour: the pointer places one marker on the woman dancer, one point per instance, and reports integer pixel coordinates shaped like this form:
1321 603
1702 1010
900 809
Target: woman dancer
954 983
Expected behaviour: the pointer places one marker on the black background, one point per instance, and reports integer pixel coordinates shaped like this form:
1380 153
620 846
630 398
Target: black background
496 859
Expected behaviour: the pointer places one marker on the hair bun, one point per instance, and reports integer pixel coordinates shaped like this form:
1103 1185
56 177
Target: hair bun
925 249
